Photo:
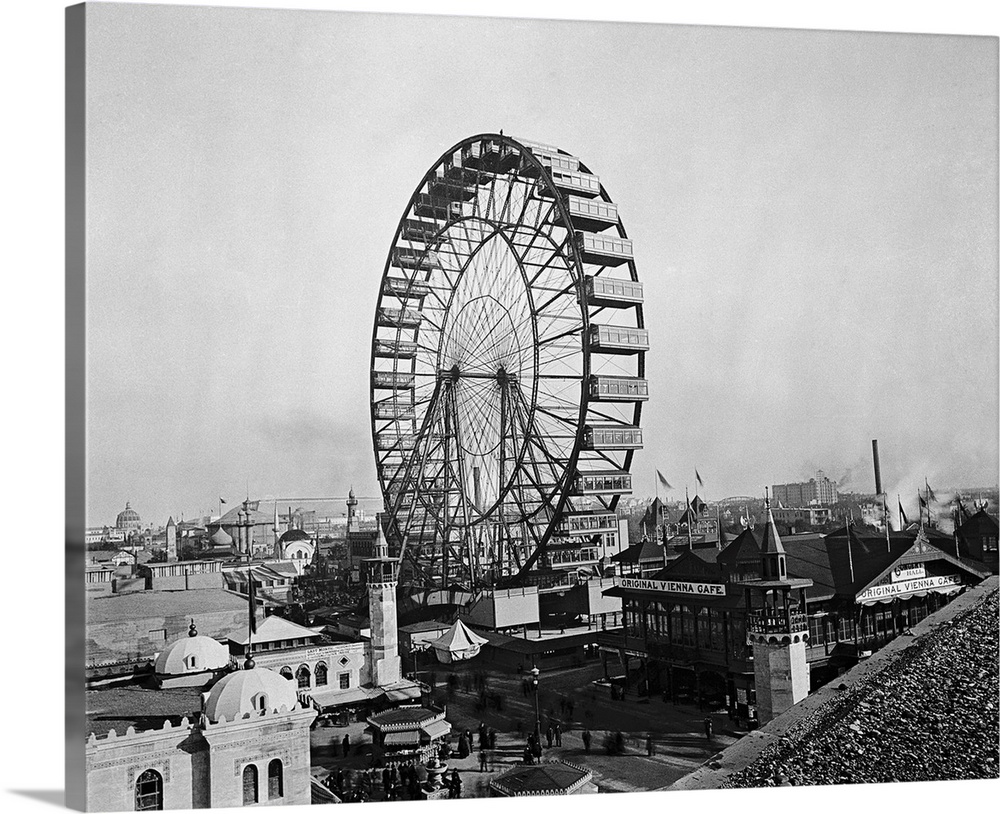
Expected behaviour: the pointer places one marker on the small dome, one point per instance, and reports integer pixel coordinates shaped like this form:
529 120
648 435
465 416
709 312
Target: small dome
248 692
292 535
192 654
221 538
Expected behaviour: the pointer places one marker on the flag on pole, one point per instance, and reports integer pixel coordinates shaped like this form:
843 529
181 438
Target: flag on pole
663 481
253 601
923 503
697 477
902 514
930 492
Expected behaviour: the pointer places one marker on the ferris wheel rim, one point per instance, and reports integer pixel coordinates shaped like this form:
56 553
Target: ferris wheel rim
555 499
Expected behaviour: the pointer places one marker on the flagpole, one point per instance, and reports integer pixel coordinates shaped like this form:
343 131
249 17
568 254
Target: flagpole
687 511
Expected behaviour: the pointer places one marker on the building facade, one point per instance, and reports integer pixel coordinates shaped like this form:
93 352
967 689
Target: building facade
689 627
820 490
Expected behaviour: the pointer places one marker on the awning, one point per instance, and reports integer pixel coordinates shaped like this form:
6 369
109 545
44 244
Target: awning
403 694
328 699
410 738
436 729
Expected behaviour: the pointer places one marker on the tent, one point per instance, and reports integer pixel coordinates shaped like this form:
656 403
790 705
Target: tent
458 643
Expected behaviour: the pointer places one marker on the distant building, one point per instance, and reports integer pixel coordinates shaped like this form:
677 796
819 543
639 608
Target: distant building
977 539
802 516
252 531
820 490
128 521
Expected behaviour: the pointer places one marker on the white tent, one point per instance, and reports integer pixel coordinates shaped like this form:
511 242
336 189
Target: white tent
458 643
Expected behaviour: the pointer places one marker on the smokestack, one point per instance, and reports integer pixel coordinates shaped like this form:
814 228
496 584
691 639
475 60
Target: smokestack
878 470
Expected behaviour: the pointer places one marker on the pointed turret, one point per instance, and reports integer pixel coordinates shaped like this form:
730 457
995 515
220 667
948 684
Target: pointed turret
772 552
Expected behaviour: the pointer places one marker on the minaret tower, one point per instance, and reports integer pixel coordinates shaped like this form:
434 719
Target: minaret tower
778 629
381 574
352 511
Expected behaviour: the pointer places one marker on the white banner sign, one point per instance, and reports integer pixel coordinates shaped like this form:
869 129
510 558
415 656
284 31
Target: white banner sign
902 573
669 586
908 587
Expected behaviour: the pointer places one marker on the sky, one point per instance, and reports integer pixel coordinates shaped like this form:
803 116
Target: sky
814 218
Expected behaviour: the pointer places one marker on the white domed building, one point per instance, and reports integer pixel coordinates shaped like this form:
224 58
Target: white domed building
297 547
192 661
246 743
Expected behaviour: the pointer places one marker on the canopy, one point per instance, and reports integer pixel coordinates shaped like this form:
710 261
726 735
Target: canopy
458 643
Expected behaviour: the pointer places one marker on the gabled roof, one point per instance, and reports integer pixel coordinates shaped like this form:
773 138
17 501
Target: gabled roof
744 548
276 629
690 566
645 551
922 550
979 525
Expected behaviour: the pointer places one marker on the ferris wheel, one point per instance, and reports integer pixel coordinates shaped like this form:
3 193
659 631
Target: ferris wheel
508 363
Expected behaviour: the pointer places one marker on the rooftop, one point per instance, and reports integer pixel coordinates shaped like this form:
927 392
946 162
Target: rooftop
121 707
546 778
141 604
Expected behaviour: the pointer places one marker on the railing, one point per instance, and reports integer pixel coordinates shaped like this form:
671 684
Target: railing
768 621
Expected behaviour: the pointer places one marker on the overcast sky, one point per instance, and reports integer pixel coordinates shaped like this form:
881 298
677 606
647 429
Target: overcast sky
814 218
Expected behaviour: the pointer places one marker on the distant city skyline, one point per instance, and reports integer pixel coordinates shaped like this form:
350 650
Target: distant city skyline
814 219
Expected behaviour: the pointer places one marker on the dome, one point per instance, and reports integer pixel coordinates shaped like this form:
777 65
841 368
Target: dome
248 692
292 535
192 654
128 515
221 538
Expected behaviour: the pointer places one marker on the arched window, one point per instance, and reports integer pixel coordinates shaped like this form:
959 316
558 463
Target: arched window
275 780
287 673
249 784
303 676
321 675
149 791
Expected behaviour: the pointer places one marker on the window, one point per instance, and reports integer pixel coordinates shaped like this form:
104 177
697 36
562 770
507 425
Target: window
286 672
250 785
275 780
345 680
321 675
817 630
149 791
303 677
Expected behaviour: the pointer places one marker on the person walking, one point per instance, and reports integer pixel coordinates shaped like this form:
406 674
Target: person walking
708 727
483 760
549 735
346 745
586 741
558 729
527 755
650 746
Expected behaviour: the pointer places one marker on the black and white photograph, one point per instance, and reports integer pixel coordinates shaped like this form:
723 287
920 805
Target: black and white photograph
481 407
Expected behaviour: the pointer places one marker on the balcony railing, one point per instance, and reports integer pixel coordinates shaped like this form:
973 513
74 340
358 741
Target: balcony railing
778 622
